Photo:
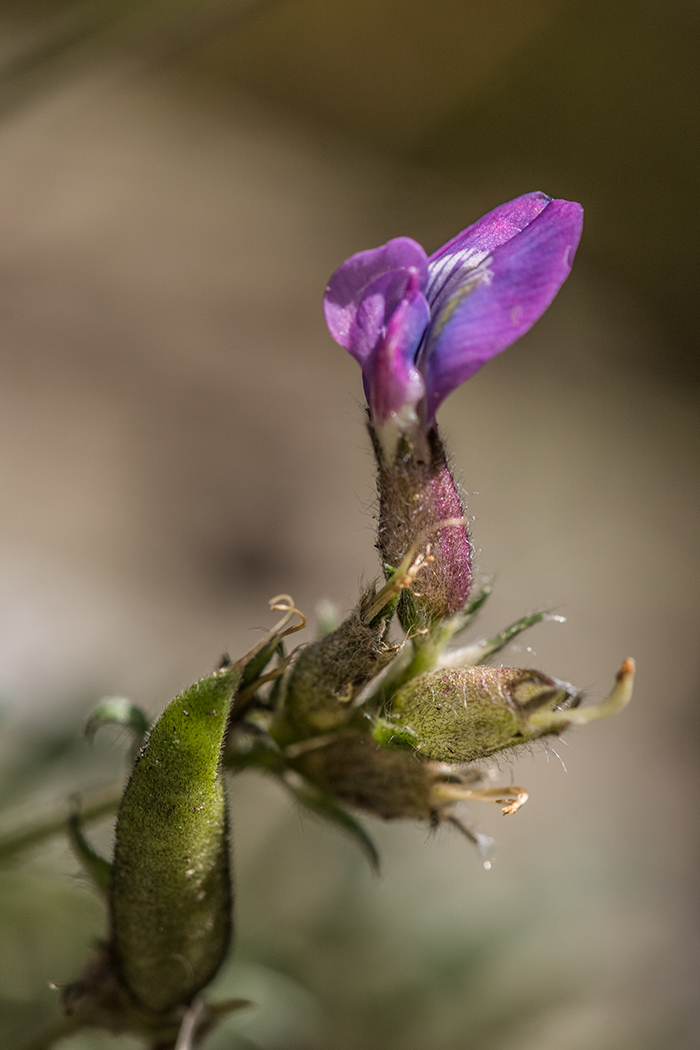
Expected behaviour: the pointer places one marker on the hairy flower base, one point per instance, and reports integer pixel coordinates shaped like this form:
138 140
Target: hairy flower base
392 785
471 713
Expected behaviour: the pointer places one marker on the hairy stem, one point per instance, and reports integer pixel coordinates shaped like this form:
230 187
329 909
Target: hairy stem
16 842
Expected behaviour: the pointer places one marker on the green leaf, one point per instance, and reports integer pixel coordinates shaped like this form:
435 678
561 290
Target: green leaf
478 652
464 617
118 711
96 866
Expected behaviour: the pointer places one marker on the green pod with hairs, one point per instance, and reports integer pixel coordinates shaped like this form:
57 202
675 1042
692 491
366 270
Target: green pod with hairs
470 713
171 893
319 690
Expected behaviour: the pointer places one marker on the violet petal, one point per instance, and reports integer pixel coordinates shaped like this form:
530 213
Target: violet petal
449 266
499 300
392 382
366 289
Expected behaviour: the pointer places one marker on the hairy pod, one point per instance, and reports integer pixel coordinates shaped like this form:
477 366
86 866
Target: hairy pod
467 714
329 673
171 890
355 770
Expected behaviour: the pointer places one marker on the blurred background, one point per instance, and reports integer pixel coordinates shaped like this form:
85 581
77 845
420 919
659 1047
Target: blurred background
180 440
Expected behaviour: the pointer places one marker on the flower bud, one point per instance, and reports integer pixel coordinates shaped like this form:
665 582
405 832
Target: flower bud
328 674
416 493
468 714
171 884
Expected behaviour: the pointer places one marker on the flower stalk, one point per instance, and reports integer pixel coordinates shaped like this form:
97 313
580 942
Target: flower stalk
357 719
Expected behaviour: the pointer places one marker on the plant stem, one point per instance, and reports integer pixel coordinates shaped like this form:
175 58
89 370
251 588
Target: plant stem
15 842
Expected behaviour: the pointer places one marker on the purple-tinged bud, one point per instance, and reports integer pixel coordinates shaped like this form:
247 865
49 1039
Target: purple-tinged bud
417 492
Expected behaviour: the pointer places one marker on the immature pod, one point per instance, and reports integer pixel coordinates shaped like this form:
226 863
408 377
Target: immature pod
319 690
467 714
171 890
355 770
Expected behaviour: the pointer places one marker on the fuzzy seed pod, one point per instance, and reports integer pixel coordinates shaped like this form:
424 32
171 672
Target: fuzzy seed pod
171 885
355 770
470 713
329 673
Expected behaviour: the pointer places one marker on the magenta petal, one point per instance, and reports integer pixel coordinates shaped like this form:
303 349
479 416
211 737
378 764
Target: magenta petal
497 301
392 381
364 292
450 265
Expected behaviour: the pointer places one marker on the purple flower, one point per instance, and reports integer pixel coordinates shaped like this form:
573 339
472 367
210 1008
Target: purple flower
420 325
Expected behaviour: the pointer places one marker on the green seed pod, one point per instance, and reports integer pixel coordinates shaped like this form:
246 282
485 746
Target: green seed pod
171 888
468 714
355 770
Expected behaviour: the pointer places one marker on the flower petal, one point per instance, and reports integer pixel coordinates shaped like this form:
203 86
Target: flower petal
450 265
499 300
364 292
393 384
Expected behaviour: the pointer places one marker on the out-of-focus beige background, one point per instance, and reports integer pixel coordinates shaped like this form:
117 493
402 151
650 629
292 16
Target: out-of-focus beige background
180 440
